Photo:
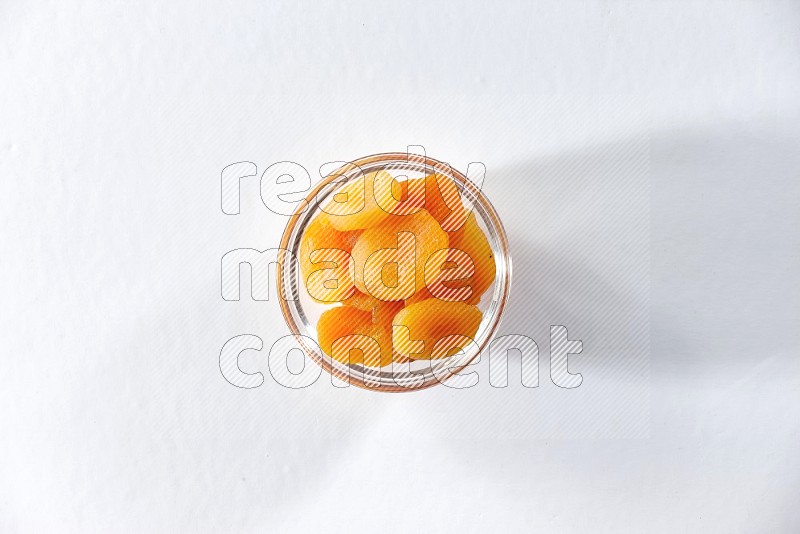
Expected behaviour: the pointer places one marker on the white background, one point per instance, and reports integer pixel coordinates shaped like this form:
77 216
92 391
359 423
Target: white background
115 122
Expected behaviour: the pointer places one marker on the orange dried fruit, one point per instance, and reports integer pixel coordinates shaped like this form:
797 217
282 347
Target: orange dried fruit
325 262
363 202
390 257
417 328
407 262
350 335
419 296
449 275
442 200
467 271
361 301
382 311
471 239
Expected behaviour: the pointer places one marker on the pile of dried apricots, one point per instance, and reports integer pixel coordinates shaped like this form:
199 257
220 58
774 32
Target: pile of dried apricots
406 261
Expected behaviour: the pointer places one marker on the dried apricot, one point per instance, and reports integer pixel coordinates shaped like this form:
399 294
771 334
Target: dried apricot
408 263
390 257
363 202
325 262
449 275
471 239
382 311
442 200
419 296
417 328
349 335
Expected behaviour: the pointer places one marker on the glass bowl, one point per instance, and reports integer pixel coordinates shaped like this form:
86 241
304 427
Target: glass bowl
301 312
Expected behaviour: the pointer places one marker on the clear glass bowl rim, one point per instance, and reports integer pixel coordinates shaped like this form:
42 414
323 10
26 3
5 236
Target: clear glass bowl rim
426 165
